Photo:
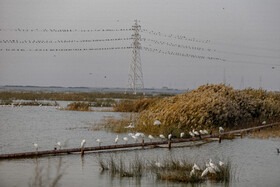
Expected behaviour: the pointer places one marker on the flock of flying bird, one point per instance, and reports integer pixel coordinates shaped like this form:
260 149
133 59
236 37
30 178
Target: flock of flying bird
138 135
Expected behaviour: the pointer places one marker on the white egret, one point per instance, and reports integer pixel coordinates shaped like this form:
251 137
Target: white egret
192 134
157 122
182 134
158 164
205 131
211 170
36 146
130 126
192 172
99 142
169 136
195 167
125 139
138 134
150 137
221 130
205 172
221 163
135 138
201 131
213 166
59 144
264 122
195 132
117 139
162 136
83 144
130 134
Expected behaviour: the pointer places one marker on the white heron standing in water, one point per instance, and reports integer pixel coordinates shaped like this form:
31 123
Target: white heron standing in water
125 139
162 136
59 144
99 142
117 139
150 137
36 146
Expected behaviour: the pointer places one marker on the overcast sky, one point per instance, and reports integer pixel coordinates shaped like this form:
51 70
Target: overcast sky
246 33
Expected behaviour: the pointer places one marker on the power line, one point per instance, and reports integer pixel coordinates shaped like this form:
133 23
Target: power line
62 49
178 45
61 41
202 57
180 37
62 30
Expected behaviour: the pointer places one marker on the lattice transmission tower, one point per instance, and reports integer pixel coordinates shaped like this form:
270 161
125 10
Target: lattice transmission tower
135 75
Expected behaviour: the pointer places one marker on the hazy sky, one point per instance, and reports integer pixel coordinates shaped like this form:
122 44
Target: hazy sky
246 33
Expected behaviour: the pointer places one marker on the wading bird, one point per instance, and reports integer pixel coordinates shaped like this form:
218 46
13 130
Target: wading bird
195 167
192 134
205 172
99 142
221 130
125 139
117 139
150 137
221 163
158 164
212 165
59 144
135 138
36 146
83 143
169 136
157 122
162 136
182 134
264 122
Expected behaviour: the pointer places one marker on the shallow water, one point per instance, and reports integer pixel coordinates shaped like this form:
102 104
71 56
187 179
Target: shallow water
254 161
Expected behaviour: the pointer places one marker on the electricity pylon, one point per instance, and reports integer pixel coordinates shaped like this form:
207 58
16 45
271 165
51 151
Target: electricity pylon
135 75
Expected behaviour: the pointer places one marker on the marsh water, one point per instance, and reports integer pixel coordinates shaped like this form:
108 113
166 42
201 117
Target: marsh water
254 162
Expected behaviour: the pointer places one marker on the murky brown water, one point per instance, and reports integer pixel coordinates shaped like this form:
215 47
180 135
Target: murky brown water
254 161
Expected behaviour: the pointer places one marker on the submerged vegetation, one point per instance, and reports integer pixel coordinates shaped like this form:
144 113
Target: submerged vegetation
168 169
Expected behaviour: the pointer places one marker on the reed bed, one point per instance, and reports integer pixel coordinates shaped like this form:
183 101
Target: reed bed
209 107
266 133
168 169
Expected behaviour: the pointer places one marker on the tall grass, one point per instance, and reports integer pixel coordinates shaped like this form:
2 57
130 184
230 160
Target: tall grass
167 169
